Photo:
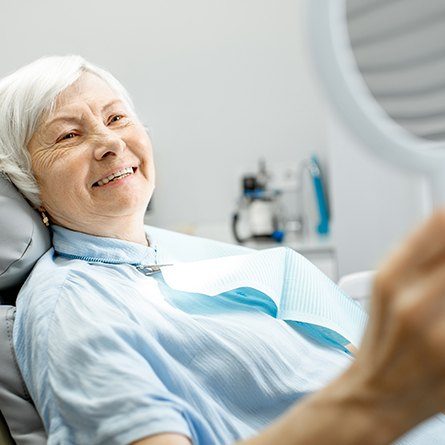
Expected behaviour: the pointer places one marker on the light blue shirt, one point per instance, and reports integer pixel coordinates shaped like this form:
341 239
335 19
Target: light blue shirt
111 355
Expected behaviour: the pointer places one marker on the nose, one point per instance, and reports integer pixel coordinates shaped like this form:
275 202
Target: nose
108 143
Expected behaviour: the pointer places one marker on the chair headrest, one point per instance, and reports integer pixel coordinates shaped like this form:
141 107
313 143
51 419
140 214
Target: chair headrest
23 237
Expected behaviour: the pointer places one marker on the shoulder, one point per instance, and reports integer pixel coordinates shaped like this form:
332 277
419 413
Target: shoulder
36 304
55 279
46 283
58 290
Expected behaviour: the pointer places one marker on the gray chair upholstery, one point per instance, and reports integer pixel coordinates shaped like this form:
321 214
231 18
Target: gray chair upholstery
23 422
5 437
23 240
23 237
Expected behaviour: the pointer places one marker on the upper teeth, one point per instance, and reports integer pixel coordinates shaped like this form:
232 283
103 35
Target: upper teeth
124 171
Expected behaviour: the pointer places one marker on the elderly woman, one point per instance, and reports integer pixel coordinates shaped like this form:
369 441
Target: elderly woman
114 356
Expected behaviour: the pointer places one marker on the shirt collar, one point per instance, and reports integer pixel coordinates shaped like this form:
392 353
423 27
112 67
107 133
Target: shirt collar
72 244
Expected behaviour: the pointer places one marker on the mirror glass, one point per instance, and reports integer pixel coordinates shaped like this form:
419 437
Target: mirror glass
399 48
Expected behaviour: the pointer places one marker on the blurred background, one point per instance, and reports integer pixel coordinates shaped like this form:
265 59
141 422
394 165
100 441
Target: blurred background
246 144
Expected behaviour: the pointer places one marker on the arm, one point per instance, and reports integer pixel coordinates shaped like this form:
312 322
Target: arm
164 439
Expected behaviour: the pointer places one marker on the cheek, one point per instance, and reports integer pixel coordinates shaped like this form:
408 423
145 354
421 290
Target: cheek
144 144
53 188
63 181
140 144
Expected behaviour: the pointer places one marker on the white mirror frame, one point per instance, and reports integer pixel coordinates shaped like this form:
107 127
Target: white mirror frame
338 71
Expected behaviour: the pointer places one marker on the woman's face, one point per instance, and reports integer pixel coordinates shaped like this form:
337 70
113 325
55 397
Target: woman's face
88 139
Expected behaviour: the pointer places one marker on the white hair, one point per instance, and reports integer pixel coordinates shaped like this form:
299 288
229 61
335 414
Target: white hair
24 96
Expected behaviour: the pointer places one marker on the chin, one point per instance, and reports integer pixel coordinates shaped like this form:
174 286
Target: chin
128 205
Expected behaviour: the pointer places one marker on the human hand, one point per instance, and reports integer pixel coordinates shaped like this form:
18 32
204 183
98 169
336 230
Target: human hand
400 366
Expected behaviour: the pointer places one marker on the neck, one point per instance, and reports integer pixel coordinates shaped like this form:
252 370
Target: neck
121 228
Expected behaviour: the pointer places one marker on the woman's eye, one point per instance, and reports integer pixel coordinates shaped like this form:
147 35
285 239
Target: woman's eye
67 136
116 118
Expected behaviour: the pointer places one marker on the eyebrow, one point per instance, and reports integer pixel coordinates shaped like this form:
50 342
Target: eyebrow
70 118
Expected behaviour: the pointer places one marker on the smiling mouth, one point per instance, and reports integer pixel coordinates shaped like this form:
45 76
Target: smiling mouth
115 176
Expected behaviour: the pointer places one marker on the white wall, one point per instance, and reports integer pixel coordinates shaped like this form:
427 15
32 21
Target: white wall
220 83
375 204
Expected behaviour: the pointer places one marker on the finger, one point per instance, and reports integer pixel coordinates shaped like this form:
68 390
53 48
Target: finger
422 301
414 300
